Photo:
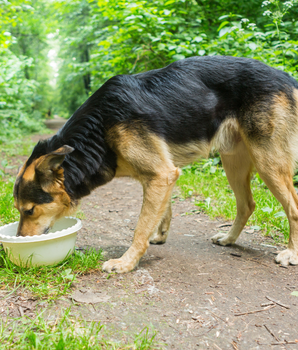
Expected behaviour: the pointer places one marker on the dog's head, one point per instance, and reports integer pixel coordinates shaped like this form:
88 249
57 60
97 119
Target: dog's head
39 193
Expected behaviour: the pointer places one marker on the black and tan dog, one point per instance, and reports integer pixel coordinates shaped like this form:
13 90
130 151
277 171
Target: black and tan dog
148 125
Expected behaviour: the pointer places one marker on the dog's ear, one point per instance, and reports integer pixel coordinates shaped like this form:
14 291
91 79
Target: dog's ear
48 165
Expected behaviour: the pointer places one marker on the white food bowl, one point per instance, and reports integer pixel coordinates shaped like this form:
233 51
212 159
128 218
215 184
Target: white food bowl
46 249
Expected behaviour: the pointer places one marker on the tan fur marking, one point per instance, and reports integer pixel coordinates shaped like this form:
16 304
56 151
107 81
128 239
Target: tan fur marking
144 156
188 153
29 173
44 215
138 152
227 137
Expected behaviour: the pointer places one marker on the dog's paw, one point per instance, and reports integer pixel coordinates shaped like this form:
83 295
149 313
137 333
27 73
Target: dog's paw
117 265
222 239
287 257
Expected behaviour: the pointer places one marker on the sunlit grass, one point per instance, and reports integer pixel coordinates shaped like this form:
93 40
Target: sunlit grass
66 333
7 211
17 145
48 282
208 180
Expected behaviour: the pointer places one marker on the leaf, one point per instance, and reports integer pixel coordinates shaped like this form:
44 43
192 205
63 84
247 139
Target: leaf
208 200
212 169
295 293
223 24
224 31
267 210
4 163
280 214
67 275
256 228
89 297
169 2
216 160
178 57
198 39
252 46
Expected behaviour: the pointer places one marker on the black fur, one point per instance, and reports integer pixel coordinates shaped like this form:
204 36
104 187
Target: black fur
185 101
31 191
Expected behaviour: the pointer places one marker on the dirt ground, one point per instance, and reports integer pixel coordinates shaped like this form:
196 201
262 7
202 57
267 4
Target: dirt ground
196 295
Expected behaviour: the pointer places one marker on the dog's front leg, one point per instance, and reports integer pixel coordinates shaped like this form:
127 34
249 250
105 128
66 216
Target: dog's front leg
157 194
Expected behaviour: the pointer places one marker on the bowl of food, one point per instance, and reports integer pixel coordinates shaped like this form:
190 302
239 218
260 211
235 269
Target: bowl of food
45 249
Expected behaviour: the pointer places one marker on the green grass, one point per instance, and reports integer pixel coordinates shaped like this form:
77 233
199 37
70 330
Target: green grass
48 282
20 146
66 333
208 179
7 211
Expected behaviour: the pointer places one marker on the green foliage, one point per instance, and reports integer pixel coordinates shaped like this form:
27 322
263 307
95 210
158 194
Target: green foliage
23 67
16 97
99 39
95 40
208 180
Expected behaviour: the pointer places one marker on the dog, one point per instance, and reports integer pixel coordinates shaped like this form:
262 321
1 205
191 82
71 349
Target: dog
149 125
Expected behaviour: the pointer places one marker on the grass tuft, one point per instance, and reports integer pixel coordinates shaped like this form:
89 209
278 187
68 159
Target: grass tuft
208 180
48 282
65 333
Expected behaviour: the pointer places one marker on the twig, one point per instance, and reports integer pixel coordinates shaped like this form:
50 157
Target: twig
234 344
217 347
21 311
273 335
259 262
173 327
278 303
255 311
286 342
190 284
224 225
218 317
216 324
236 254
267 304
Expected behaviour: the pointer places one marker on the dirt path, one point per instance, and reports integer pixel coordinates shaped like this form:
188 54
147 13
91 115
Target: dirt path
190 290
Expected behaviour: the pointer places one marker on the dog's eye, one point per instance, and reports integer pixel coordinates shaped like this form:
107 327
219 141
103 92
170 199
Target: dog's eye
29 212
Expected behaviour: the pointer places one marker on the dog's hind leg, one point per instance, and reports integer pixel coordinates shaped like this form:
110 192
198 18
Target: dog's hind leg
238 167
161 234
277 173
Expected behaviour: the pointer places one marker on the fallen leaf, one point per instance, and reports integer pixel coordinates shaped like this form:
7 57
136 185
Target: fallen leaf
89 297
250 231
